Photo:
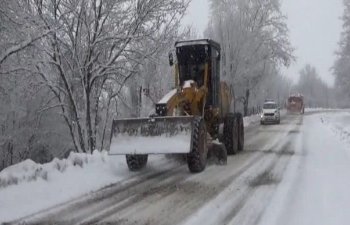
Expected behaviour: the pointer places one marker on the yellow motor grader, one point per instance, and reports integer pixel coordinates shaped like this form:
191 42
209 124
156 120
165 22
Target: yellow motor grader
196 114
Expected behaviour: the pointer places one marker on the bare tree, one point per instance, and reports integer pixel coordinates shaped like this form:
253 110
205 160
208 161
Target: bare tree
27 130
341 67
314 89
92 45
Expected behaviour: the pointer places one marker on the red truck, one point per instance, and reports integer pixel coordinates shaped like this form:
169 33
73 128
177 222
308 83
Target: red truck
295 104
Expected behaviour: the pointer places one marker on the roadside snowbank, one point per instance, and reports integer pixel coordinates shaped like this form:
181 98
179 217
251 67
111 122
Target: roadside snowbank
320 109
314 109
28 187
339 123
251 120
28 170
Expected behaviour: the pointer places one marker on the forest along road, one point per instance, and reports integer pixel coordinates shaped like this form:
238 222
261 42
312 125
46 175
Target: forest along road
237 193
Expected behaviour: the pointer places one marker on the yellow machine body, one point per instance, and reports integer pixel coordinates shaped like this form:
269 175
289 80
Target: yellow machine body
198 99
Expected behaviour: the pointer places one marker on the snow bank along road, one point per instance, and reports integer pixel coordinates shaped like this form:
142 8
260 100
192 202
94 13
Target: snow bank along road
297 172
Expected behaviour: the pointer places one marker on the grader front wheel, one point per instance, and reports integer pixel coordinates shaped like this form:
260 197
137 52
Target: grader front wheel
197 158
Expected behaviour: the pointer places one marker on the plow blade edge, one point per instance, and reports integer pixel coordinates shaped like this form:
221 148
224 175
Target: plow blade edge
155 135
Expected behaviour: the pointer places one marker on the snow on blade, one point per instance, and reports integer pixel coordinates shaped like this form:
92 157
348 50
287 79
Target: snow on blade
188 83
194 42
166 98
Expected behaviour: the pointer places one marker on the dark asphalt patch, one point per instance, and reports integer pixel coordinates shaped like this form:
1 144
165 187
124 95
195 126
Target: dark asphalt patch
294 132
265 178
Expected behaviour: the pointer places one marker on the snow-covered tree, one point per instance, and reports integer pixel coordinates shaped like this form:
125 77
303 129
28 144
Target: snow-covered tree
98 43
254 37
315 90
341 67
27 129
84 58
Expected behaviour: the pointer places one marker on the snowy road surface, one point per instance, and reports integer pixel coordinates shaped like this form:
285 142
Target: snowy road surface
297 172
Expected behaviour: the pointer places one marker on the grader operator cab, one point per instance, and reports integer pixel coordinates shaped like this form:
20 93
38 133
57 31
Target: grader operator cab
189 118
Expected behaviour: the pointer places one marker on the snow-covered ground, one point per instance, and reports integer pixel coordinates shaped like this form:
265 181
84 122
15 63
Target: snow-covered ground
315 188
339 123
249 120
28 187
320 110
297 172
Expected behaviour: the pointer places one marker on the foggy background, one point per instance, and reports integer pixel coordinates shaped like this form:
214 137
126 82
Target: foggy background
315 27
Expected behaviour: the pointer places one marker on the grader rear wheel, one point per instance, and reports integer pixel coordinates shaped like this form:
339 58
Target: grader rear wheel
231 134
240 124
197 158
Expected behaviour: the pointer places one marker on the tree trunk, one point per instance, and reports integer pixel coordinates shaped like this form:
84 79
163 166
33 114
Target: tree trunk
88 122
105 124
97 119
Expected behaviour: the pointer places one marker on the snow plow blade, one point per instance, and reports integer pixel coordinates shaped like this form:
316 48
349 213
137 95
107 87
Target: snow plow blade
155 135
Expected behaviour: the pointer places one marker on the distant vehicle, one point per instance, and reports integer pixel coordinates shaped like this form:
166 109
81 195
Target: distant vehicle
295 104
270 113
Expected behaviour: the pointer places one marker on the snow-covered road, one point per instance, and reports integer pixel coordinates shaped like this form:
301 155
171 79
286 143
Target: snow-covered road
297 172
316 188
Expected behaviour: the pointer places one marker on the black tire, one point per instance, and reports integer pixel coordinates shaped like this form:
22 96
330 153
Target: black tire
197 158
136 162
239 119
231 134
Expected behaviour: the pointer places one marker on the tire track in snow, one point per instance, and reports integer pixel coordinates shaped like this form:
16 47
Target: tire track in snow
62 210
205 197
170 188
227 208
260 191
263 186
98 199
117 201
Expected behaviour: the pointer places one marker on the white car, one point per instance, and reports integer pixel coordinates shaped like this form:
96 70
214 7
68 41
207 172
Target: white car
270 113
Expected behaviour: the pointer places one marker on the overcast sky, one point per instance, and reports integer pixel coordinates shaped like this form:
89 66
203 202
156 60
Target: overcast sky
315 28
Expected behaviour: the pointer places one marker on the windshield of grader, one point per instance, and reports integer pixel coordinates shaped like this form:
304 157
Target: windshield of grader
191 61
